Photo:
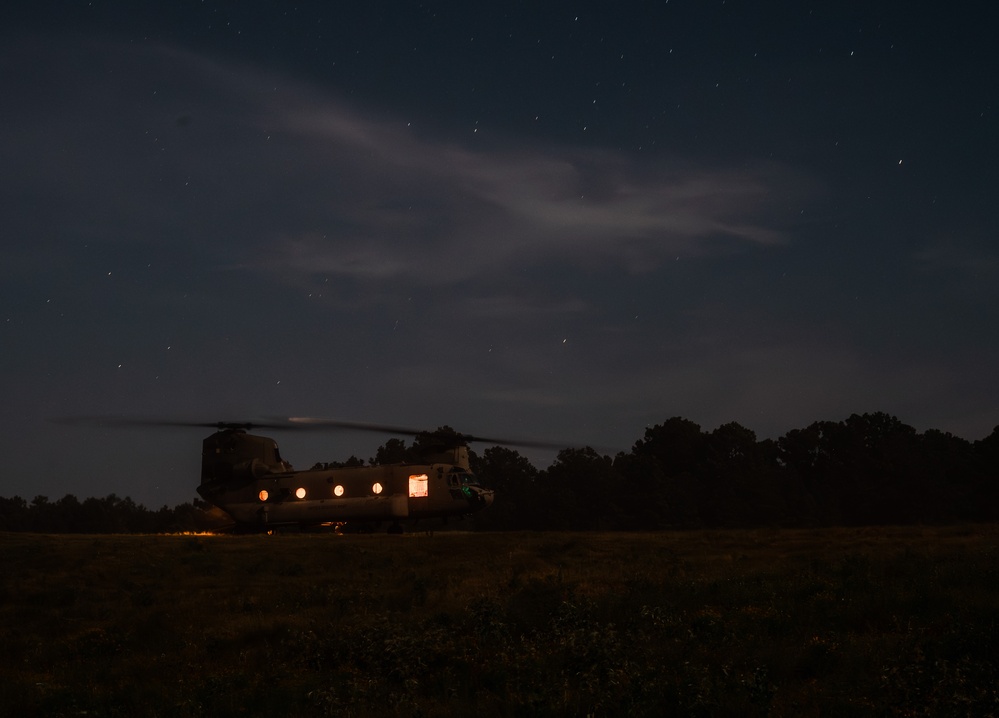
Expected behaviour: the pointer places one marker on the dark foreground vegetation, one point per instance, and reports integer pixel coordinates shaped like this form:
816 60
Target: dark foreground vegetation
870 469
790 622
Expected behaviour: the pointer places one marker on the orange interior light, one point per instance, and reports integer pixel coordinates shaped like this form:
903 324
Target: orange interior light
418 485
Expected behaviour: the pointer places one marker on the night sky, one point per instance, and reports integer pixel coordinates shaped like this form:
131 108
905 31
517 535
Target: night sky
560 221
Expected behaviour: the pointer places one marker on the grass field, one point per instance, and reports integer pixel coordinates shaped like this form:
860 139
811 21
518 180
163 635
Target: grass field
885 621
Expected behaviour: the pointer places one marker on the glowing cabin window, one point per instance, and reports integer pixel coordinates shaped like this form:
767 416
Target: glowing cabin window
263 495
376 488
417 485
338 490
300 492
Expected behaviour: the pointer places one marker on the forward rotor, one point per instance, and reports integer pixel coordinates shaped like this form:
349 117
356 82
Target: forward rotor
294 423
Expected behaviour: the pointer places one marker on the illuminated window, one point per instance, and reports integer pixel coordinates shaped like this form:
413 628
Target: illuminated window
263 495
376 488
300 492
417 485
338 490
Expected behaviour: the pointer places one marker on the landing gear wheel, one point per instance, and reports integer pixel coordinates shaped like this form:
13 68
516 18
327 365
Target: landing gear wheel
395 529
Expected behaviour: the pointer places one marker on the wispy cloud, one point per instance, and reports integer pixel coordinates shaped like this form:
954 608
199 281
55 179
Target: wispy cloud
184 148
503 204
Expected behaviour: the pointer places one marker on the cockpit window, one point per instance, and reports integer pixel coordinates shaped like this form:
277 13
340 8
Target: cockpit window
462 477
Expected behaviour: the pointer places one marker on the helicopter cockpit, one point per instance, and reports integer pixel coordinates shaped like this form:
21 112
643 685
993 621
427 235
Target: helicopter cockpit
463 484
458 477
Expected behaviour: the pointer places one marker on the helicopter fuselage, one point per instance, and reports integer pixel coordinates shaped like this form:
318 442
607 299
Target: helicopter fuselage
245 477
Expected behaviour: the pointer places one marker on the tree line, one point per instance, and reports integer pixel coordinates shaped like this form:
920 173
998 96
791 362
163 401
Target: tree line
109 515
869 469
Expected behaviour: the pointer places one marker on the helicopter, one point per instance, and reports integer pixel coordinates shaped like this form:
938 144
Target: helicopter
244 475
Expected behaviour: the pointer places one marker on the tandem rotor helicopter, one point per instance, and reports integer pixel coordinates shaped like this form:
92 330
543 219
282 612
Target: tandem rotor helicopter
244 475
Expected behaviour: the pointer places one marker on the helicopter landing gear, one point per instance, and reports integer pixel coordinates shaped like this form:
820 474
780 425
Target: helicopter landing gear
395 528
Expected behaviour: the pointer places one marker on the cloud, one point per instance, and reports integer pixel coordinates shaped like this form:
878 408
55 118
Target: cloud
479 210
262 171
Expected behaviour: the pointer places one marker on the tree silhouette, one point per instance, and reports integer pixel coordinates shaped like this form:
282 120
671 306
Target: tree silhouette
582 484
677 452
514 479
744 480
392 451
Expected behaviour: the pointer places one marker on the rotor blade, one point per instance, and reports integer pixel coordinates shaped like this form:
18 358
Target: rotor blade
318 423
128 422
528 443
294 423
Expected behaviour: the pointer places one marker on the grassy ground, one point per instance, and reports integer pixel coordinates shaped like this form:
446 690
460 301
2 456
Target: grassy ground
897 621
